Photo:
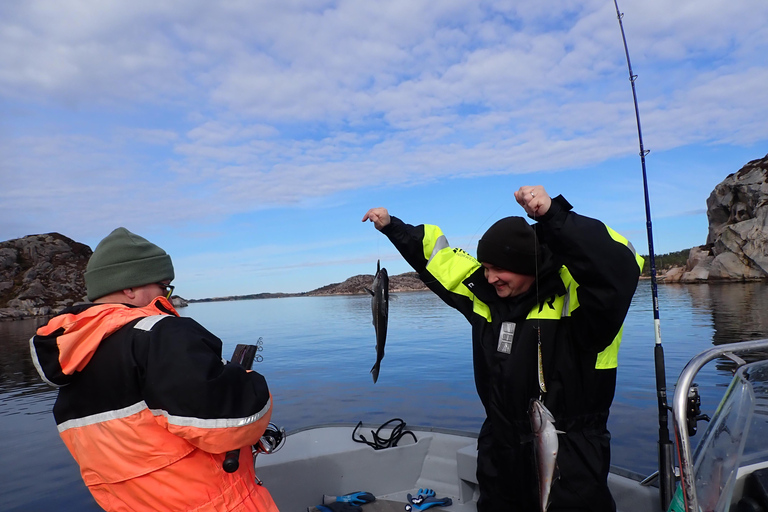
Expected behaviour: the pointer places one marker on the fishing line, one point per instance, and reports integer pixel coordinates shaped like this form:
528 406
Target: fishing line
542 384
666 469
469 242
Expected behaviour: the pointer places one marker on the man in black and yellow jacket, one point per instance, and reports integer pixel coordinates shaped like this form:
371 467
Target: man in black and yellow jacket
560 289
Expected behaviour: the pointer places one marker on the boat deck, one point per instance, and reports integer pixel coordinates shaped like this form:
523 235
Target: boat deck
325 460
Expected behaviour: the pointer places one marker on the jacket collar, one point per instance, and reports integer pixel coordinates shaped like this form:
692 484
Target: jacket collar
547 284
66 344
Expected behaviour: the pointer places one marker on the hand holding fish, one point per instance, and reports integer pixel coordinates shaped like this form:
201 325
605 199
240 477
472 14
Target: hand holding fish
379 216
534 200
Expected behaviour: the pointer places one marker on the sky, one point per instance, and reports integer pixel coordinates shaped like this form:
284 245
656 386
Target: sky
249 138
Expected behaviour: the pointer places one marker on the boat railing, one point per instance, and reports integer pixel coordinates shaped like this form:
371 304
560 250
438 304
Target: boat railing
680 410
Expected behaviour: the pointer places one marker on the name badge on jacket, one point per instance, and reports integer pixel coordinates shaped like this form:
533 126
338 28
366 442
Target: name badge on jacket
506 335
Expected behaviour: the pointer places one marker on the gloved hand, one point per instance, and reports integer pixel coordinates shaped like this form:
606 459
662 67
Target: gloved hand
355 498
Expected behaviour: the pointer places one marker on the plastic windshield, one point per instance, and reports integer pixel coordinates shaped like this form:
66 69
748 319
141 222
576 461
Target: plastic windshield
736 438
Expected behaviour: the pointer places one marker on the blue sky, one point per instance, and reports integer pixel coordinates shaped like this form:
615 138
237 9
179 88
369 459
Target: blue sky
248 138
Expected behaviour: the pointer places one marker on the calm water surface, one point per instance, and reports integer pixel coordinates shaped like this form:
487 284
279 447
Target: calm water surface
317 357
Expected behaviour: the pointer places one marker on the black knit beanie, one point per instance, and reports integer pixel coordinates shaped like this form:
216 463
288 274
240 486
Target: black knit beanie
511 244
125 260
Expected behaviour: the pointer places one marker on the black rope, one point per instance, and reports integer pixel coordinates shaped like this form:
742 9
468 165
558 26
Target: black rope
379 442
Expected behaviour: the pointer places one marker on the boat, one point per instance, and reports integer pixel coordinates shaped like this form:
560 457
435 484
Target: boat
727 471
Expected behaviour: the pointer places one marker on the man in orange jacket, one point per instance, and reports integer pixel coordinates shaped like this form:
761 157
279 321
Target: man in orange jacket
146 405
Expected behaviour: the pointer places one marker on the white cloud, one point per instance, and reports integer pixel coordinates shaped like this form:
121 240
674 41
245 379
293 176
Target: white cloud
208 110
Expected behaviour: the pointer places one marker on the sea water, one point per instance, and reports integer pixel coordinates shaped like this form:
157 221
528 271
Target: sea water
317 353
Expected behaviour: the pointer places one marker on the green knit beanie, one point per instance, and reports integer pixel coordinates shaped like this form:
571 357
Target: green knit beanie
125 260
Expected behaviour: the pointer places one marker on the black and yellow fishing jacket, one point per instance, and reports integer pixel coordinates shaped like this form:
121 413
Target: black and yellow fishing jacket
576 309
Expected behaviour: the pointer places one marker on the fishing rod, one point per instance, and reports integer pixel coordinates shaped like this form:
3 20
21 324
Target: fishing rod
666 459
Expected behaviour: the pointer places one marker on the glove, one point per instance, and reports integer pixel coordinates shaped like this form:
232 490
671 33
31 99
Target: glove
426 499
339 506
423 494
355 498
429 502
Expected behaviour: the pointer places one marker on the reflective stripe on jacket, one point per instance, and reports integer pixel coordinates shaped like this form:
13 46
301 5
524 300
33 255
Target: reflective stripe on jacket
148 408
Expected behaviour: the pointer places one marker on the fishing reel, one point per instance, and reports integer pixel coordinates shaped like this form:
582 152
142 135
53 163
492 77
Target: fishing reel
693 410
272 440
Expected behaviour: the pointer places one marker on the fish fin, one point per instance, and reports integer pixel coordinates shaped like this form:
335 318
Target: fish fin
559 432
378 266
370 291
375 373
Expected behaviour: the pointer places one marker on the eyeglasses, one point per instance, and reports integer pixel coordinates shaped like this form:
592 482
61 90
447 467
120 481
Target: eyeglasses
167 289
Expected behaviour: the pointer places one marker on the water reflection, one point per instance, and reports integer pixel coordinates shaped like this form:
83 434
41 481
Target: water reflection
739 311
17 373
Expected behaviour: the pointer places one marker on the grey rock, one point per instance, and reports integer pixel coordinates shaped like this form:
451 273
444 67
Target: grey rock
673 275
40 275
8 258
737 241
179 302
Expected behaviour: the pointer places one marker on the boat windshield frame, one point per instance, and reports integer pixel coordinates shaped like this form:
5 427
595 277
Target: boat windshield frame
738 391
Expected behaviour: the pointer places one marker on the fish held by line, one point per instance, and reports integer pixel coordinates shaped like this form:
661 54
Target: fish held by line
380 309
545 448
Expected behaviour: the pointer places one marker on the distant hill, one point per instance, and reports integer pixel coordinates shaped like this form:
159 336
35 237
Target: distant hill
355 285
407 282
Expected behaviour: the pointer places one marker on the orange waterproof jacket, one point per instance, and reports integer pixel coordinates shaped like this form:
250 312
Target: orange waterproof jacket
148 408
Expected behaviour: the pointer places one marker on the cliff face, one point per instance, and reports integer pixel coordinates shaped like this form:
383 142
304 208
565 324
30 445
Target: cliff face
737 243
41 275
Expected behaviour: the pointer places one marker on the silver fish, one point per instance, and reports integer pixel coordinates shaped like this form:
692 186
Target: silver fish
545 449
380 308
